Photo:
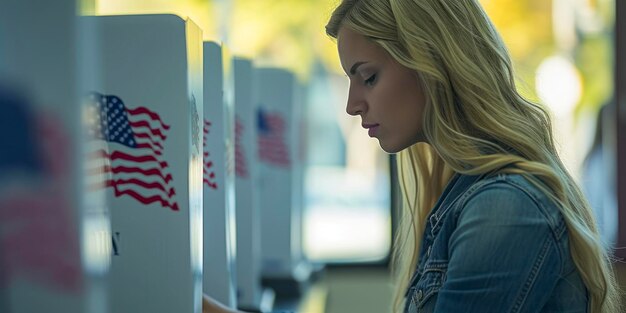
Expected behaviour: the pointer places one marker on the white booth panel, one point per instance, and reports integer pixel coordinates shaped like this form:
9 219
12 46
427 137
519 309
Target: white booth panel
278 114
144 114
219 179
251 295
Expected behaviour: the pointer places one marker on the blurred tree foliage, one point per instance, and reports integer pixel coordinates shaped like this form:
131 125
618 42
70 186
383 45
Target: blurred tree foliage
594 58
526 28
290 34
594 53
287 33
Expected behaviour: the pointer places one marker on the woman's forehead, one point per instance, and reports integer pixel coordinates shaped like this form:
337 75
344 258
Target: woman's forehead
354 47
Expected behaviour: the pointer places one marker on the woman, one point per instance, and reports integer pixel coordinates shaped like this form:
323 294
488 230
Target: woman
493 221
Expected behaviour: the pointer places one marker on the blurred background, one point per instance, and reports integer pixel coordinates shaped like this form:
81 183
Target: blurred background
563 53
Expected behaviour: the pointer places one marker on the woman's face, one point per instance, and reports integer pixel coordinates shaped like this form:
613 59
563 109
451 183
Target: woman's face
388 96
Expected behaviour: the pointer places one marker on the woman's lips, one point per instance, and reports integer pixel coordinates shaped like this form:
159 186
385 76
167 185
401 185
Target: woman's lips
371 129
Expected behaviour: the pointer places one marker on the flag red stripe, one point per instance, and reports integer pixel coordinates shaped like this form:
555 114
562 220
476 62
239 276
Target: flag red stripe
146 200
241 173
266 144
273 152
146 136
275 160
241 169
273 155
210 184
154 131
278 159
145 145
118 155
141 183
131 170
42 224
153 116
206 170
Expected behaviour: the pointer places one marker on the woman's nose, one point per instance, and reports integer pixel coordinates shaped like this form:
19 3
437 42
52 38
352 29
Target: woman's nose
356 104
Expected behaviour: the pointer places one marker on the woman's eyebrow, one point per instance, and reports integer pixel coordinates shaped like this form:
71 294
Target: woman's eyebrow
355 67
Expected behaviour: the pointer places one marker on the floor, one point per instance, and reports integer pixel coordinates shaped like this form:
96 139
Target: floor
347 290
365 290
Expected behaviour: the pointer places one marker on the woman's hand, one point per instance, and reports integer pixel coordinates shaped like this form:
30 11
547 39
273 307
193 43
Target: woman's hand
210 305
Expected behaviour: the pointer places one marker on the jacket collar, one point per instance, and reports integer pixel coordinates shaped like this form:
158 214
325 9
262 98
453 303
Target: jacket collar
457 186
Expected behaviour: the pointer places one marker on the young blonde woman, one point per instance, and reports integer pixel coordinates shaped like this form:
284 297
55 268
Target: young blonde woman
493 222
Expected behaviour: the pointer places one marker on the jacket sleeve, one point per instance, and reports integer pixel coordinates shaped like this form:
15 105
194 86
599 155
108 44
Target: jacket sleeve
503 255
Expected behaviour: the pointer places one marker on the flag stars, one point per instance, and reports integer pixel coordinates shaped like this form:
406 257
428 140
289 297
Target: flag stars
112 122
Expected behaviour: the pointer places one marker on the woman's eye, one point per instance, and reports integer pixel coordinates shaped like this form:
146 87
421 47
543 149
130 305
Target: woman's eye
370 81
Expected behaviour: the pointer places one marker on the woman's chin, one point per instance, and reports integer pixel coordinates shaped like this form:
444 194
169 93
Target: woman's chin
389 148
392 148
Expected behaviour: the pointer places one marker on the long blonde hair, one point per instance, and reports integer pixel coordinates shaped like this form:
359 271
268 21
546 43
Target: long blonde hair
475 122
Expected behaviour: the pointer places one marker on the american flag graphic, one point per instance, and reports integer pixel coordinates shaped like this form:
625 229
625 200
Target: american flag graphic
131 151
38 239
208 171
272 141
241 164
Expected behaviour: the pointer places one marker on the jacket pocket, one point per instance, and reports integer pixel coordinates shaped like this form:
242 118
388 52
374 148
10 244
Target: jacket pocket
425 294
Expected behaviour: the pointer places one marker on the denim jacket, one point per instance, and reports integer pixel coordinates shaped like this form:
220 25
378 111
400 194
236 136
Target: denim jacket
495 244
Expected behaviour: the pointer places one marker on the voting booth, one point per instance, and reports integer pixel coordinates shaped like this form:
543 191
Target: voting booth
145 125
251 295
44 266
219 176
283 265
